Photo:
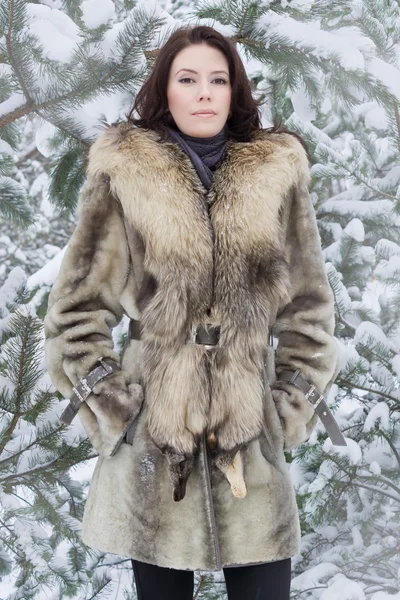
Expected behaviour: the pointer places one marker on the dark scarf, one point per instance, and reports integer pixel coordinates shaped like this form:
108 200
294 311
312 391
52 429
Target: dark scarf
205 153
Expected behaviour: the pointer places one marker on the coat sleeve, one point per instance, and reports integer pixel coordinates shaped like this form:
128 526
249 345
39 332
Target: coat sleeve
83 307
305 323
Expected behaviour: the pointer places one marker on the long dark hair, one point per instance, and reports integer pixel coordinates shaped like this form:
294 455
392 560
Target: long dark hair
151 103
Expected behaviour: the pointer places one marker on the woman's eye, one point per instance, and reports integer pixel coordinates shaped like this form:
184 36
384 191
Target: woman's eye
190 79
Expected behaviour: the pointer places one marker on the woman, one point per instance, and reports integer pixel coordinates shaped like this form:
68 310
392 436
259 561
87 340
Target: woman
201 230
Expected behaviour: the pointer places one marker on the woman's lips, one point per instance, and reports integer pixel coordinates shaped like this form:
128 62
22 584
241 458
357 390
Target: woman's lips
204 115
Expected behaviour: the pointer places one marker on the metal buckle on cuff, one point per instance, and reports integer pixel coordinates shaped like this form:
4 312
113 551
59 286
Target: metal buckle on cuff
105 365
310 392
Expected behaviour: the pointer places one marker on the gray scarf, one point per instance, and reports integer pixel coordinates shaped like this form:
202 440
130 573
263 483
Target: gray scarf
205 153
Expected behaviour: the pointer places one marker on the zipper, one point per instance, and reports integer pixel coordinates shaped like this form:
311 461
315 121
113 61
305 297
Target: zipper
214 531
208 208
211 505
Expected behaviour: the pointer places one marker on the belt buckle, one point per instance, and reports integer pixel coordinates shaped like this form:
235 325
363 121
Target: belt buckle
192 337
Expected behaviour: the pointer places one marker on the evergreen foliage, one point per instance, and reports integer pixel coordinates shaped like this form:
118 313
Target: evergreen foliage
327 70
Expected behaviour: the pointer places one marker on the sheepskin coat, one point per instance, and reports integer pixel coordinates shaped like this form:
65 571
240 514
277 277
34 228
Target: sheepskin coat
153 244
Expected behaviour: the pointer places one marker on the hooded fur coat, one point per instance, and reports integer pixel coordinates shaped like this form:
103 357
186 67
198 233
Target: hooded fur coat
147 246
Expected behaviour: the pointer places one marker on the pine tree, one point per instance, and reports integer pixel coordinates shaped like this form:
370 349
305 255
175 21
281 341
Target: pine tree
350 497
208 586
41 505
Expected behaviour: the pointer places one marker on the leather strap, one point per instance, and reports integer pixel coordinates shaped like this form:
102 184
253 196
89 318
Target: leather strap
317 400
84 387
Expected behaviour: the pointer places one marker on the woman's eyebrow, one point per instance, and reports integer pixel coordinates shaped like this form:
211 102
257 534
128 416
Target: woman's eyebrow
192 71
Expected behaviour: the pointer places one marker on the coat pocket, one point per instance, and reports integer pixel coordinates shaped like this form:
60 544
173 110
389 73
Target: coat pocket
130 434
272 430
131 360
269 364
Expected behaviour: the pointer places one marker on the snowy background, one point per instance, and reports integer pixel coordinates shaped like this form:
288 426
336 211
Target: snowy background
331 70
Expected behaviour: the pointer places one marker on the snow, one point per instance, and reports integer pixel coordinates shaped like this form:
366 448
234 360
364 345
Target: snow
396 365
347 354
381 374
388 74
5 148
314 575
14 101
46 31
379 412
108 106
15 281
386 248
357 537
304 35
47 274
365 210
97 12
344 589
355 230
351 451
41 186
50 24
375 468
376 118
389 270
325 473
301 104
107 44
13 284
42 137
368 333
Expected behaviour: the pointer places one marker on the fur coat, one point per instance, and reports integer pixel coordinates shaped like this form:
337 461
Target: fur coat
153 244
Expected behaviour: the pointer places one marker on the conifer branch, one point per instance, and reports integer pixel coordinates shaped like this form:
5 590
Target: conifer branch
352 384
397 117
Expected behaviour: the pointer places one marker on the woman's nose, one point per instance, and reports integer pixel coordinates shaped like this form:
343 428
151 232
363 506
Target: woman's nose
204 91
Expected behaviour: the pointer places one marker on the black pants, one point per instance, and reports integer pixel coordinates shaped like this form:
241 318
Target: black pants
267 581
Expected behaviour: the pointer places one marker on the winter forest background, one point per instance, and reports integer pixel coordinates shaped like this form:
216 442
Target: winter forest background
331 71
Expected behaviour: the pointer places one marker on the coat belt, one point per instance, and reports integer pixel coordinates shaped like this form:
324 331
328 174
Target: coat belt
206 334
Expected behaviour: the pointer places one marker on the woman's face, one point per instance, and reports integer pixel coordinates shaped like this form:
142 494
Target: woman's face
199 80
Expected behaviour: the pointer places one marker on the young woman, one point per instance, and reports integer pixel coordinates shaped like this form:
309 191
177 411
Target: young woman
197 224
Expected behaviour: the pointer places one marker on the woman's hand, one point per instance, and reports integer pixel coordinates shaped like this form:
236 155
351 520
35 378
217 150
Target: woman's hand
109 412
297 416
